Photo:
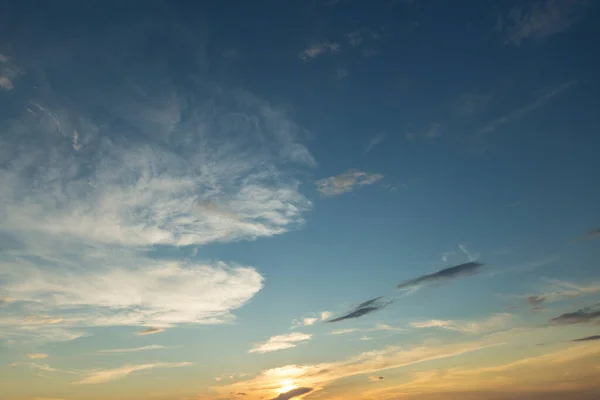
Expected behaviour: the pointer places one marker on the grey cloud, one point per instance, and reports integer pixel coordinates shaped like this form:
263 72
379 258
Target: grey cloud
346 182
293 393
535 300
465 269
377 139
587 339
593 233
538 20
581 316
364 308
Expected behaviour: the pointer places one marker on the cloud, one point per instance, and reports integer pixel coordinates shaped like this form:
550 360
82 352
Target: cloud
376 328
355 38
293 393
8 72
96 176
280 342
133 350
434 131
587 339
581 316
6 83
535 301
346 182
341 73
377 139
149 331
540 19
370 362
36 356
318 49
523 111
102 376
558 290
495 322
446 274
308 321
594 233
364 308
325 315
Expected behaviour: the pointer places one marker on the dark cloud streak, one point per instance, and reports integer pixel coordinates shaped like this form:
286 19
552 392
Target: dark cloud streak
364 308
587 339
581 316
293 393
446 274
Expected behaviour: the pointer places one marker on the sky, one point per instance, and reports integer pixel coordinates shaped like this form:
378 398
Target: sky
312 199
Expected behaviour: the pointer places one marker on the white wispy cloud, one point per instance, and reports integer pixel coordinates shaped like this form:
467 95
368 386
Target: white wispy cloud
102 376
556 290
280 342
35 356
346 182
540 19
495 322
311 320
377 139
376 328
521 112
434 131
317 49
135 349
87 199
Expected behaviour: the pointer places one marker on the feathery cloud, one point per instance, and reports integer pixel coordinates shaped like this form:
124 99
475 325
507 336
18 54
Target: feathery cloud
377 139
36 356
280 342
346 182
523 111
102 376
370 362
494 322
446 274
318 49
363 309
87 195
541 19
133 350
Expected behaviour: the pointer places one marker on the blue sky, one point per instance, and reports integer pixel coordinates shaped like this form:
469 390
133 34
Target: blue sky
192 192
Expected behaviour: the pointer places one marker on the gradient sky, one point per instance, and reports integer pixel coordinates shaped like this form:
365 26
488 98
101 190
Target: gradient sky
316 199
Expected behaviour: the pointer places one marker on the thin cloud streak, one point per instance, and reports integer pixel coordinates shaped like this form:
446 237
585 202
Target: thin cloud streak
521 112
581 316
134 350
376 140
293 393
446 274
280 342
103 376
346 182
363 309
